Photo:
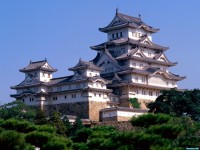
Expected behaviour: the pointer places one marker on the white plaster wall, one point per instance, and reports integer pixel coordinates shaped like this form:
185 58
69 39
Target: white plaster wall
128 114
69 99
131 33
124 34
45 76
92 73
140 79
100 97
137 64
159 80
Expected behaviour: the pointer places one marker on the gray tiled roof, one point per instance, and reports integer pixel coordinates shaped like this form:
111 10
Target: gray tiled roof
38 65
85 64
128 21
128 41
130 55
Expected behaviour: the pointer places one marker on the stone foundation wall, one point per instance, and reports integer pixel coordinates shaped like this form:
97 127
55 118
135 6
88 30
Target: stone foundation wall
94 110
116 118
80 109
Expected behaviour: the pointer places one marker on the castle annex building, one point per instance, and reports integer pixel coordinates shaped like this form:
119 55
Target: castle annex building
128 65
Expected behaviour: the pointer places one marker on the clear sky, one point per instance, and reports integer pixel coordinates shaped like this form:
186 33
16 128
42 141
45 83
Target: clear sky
63 31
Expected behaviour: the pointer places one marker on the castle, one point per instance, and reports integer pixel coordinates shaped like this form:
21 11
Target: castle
128 65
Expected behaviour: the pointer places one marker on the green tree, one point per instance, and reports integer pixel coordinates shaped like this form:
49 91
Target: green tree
149 120
56 120
40 118
16 109
11 140
67 125
78 124
178 103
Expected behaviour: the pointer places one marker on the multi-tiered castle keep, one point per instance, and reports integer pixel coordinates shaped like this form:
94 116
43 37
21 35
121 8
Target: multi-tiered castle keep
128 65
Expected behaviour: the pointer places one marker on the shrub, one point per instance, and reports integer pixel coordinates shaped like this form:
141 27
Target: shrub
149 119
134 102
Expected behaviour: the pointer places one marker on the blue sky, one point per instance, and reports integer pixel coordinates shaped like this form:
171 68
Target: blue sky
63 31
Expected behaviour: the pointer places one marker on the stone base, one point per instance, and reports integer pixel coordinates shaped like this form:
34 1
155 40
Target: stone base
116 118
79 109
94 110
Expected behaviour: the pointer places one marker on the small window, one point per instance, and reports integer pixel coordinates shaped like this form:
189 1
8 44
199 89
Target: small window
99 95
116 35
120 34
49 75
43 74
143 92
22 100
136 79
141 65
149 54
65 97
95 94
143 80
113 36
150 93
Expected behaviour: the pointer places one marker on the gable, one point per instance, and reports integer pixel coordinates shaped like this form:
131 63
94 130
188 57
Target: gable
162 58
139 53
116 21
29 81
77 77
46 65
106 61
146 40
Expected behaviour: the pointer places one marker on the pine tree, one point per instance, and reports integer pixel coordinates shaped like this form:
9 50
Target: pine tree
58 123
40 118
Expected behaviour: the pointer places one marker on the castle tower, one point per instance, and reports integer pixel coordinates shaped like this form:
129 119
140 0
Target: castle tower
140 64
33 90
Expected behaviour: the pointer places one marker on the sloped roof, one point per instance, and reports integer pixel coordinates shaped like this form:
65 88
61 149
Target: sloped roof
27 82
130 55
83 65
150 71
38 65
128 41
124 20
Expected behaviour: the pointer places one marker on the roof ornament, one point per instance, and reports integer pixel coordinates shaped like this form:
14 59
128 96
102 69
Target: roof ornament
45 59
140 16
116 10
79 59
30 61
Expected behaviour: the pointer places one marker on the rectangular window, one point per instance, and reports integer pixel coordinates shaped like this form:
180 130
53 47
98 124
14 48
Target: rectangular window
143 92
120 34
116 35
113 36
99 95
95 94
65 97
150 93
136 79
143 80
141 65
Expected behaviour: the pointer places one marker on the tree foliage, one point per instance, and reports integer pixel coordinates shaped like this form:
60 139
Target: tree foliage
178 103
134 102
16 109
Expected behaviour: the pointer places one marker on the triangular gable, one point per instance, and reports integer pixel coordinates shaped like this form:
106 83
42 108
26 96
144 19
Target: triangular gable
116 21
29 81
99 80
139 53
116 79
162 73
163 58
147 41
77 77
46 65
106 59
